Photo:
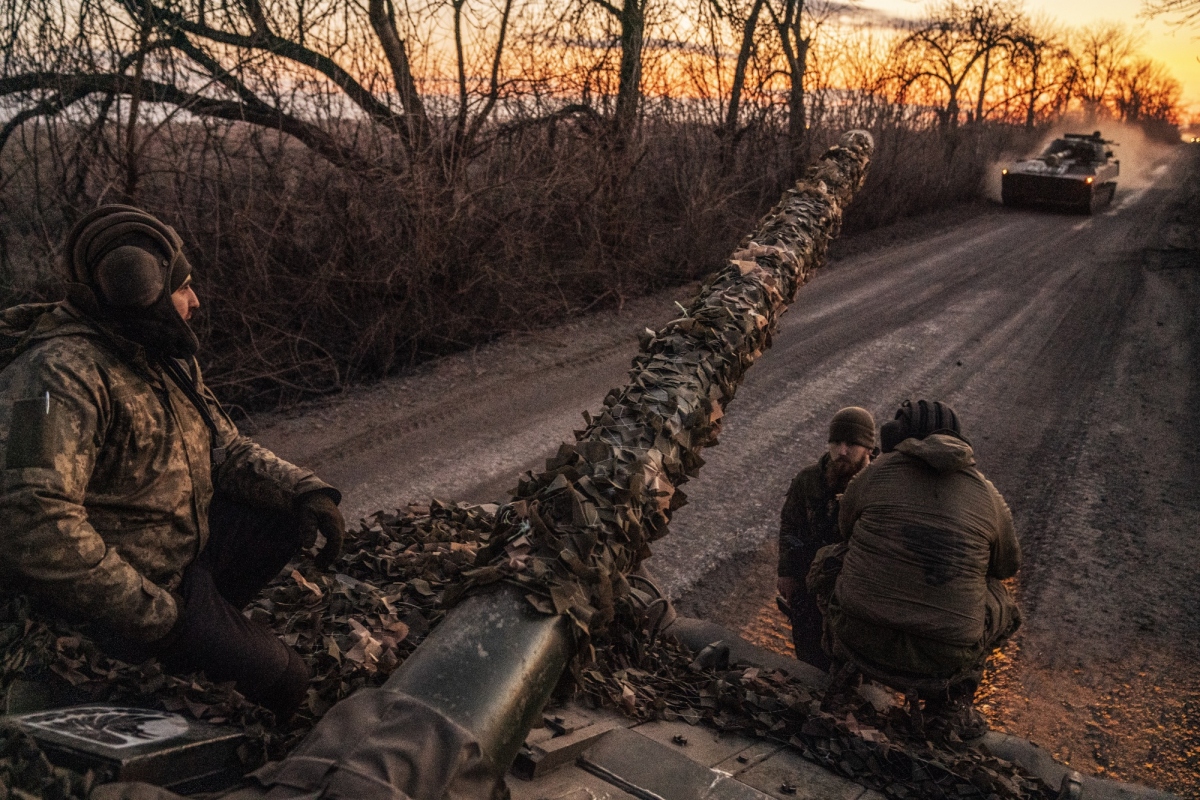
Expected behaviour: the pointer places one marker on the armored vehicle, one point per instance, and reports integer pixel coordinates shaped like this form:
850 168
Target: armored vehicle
1076 172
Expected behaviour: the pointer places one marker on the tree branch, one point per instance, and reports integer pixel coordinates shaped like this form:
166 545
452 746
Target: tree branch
609 7
257 17
73 87
277 45
384 24
183 44
493 85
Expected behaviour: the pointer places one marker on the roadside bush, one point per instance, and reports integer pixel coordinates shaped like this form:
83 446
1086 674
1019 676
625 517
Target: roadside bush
312 277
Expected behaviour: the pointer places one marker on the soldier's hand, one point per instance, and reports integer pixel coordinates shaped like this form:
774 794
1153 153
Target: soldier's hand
319 514
164 644
787 587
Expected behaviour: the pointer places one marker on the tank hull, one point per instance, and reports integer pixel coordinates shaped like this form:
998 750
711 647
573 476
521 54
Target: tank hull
1068 192
1076 173
1019 190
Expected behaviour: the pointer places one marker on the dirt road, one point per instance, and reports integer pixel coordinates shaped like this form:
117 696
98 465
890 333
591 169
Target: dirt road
1070 347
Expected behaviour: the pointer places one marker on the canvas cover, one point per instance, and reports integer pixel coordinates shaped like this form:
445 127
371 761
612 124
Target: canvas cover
376 745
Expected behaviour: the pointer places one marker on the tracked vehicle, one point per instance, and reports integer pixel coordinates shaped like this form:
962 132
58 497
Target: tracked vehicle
1076 172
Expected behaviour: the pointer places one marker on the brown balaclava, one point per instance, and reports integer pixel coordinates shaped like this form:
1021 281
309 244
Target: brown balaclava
124 265
853 425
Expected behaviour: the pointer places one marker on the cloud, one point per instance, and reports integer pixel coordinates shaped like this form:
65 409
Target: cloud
855 14
614 42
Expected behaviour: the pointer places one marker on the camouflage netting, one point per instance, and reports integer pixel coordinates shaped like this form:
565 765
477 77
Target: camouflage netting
878 750
354 633
569 538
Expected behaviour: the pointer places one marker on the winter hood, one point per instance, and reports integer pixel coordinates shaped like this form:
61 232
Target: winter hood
21 326
943 452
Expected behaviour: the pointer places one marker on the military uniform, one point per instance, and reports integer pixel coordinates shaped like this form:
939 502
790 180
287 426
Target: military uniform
808 522
929 541
107 491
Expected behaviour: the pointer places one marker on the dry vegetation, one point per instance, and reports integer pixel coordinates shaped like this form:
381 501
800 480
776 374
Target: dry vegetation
362 187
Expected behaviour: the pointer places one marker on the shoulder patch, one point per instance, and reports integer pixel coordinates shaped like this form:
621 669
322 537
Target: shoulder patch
35 434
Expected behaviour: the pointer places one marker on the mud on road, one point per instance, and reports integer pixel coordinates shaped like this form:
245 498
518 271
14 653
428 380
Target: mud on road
1070 347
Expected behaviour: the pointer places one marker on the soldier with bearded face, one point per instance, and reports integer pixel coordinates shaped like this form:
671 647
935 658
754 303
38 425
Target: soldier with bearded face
809 519
129 501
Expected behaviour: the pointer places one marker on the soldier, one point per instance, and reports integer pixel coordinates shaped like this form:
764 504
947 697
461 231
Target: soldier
129 502
919 602
809 522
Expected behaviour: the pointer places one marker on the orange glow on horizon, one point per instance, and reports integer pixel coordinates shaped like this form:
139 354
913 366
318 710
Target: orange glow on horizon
1176 47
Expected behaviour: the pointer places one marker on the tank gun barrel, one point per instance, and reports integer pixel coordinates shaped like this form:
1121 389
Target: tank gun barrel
590 515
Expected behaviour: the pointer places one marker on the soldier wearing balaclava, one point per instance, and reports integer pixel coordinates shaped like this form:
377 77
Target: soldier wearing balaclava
129 502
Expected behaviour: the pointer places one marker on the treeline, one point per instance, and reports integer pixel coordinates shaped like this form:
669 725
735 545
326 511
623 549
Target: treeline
362 186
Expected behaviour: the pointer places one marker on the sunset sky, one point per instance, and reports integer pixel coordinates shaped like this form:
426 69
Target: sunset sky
1178 48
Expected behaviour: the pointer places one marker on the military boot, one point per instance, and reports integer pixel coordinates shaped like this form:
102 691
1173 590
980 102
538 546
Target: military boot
955 713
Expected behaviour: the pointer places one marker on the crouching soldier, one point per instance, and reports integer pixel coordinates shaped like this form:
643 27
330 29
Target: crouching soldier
919 604
129 502
809 521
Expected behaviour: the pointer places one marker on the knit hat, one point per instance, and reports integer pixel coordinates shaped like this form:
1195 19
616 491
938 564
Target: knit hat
853 425
922 418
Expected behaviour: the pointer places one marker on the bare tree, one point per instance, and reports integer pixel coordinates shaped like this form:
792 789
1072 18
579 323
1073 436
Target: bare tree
630 15
263 63
1043 70
942 51
467 126
1145 90
789 21
746 48
1100 52
993 24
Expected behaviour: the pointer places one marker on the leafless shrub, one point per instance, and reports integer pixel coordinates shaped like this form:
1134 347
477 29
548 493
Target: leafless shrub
363 186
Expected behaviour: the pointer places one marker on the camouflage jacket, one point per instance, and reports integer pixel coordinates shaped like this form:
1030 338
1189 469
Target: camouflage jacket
809 520
107 475
926 533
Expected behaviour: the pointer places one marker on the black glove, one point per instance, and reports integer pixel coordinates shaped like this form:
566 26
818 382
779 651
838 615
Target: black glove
318 513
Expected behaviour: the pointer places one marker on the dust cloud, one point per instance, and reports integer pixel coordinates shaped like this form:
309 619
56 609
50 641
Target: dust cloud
1139 156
